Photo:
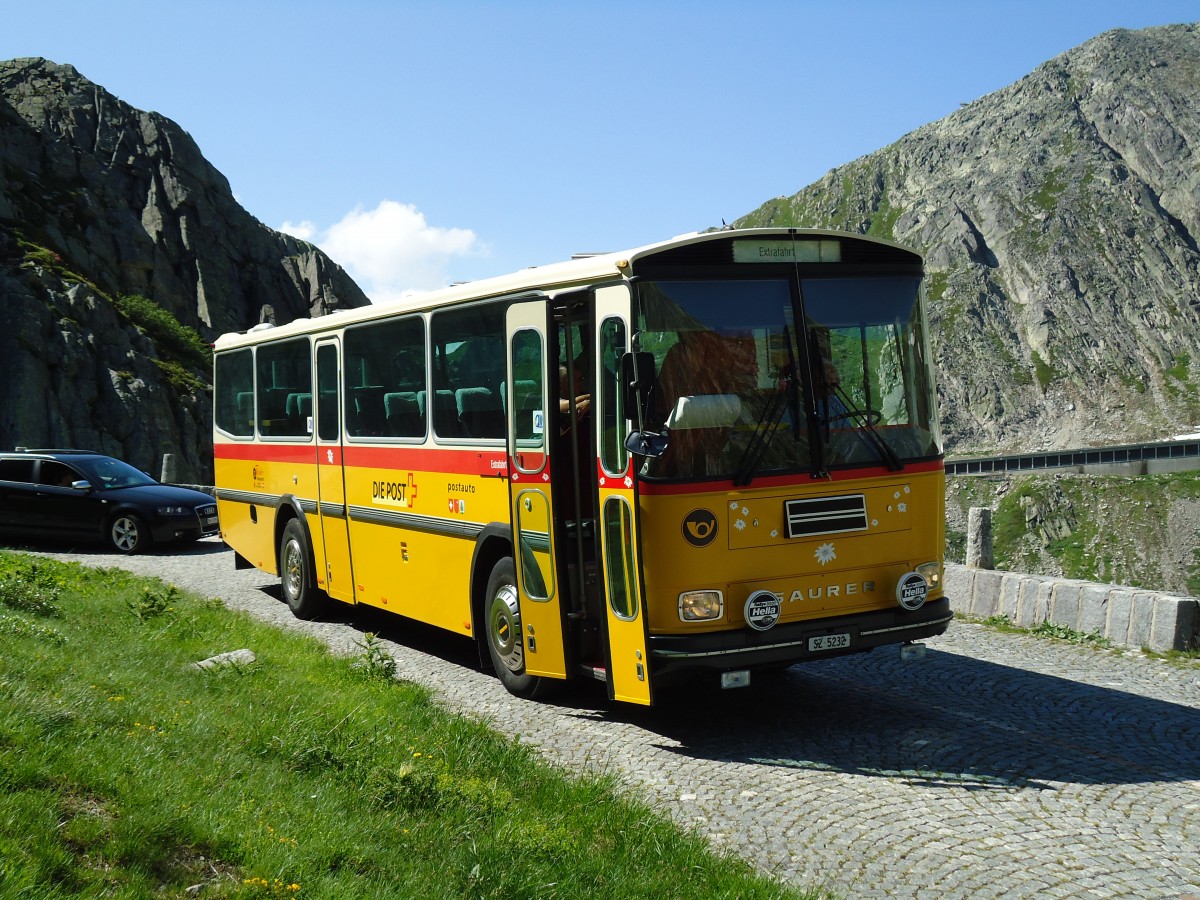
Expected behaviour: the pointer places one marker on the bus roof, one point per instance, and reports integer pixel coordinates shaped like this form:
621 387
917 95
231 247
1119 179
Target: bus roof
582 270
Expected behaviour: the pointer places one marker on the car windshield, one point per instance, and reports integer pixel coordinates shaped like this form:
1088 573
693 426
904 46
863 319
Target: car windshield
107 473
741 391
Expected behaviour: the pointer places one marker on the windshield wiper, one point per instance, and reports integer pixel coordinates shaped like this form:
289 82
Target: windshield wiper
760 441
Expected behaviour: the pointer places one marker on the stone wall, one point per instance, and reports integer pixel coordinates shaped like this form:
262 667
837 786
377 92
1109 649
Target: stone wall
1129 617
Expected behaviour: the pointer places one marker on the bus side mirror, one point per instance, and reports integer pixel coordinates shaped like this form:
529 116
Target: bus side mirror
646 443
637 380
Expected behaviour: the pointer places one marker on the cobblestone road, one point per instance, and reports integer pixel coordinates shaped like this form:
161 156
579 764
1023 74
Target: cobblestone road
997 766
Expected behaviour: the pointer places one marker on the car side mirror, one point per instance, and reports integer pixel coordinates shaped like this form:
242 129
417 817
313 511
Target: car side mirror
81 485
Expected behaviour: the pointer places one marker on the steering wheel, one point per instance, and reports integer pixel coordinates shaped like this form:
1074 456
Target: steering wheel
871 417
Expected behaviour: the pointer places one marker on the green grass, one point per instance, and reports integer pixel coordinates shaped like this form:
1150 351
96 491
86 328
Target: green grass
1047 195
1051 631
1044 372
125 772
1179 371
184 358
1120 526
181 350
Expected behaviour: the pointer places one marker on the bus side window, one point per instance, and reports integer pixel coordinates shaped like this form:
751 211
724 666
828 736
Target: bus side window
384 373
284 369
612 417
468 369
233 392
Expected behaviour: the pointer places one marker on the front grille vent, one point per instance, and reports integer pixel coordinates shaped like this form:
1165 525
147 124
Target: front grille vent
826 515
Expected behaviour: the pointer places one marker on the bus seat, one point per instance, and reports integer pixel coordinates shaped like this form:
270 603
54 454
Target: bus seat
480 412
403 413
272 410
299 409
445 414
368 406
528 398
245 408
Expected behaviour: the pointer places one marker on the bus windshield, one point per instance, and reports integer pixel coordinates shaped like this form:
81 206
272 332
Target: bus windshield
741 391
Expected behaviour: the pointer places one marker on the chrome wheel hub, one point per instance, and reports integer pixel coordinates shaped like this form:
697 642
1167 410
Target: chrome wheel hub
504 629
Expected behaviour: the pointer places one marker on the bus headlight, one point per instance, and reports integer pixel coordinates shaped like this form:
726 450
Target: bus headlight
700 606
932 573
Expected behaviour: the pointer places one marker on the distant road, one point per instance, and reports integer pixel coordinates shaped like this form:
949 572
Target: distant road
1164 456
998 764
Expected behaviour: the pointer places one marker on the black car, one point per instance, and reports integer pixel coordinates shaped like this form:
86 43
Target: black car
78 494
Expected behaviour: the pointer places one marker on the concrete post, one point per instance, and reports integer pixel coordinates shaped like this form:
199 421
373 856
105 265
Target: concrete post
979 538
168 469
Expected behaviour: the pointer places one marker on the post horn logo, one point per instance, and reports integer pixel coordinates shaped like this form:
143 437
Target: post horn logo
699 527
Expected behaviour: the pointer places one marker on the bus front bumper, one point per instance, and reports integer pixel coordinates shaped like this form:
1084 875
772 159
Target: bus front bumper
797 641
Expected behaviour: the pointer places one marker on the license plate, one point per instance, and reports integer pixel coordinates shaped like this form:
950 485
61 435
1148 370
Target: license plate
829 642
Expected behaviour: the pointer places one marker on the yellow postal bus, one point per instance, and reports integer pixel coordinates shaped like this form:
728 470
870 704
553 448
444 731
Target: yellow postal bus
710 455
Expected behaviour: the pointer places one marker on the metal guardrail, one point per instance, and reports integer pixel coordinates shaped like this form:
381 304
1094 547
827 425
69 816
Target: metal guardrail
1062 459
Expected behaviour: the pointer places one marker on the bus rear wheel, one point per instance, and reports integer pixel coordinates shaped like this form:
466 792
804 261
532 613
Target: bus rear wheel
506 644
300 590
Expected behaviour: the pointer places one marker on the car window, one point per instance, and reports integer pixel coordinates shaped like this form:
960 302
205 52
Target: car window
109 473
16 470
57 473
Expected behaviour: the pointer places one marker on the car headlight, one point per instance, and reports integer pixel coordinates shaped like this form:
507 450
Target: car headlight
173 510
700 606
932 573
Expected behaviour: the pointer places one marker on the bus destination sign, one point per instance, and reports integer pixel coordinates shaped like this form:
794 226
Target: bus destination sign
801 251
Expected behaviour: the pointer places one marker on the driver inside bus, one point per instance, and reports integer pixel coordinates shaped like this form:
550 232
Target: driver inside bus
701 362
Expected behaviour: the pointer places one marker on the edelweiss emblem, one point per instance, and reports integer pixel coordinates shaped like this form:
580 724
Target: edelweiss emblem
825 554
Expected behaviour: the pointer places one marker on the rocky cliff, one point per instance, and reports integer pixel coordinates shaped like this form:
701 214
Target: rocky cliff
1060 218
122 254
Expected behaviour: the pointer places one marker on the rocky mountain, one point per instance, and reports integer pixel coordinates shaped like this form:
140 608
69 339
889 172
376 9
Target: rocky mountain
123 254
1060 218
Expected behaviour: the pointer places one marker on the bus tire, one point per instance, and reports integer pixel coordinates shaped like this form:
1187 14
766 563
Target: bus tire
300 590
506 645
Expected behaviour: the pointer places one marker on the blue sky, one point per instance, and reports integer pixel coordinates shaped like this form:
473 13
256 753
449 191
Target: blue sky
421 143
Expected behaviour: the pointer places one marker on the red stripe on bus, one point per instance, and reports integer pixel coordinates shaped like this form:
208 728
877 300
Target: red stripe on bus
298 453
456 462
787 481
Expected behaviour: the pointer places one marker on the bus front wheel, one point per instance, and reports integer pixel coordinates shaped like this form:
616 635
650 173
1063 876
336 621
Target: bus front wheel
506 645
300 590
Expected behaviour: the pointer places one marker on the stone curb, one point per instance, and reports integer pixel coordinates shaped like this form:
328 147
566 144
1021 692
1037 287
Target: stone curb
1129 617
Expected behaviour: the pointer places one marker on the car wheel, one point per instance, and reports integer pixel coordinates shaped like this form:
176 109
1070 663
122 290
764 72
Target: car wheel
128 533
506 644
305 599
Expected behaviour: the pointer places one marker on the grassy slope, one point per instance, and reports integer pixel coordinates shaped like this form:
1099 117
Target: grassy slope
125 772
1141 531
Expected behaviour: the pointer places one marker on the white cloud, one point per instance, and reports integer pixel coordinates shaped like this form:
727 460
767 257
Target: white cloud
391 250
305 230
